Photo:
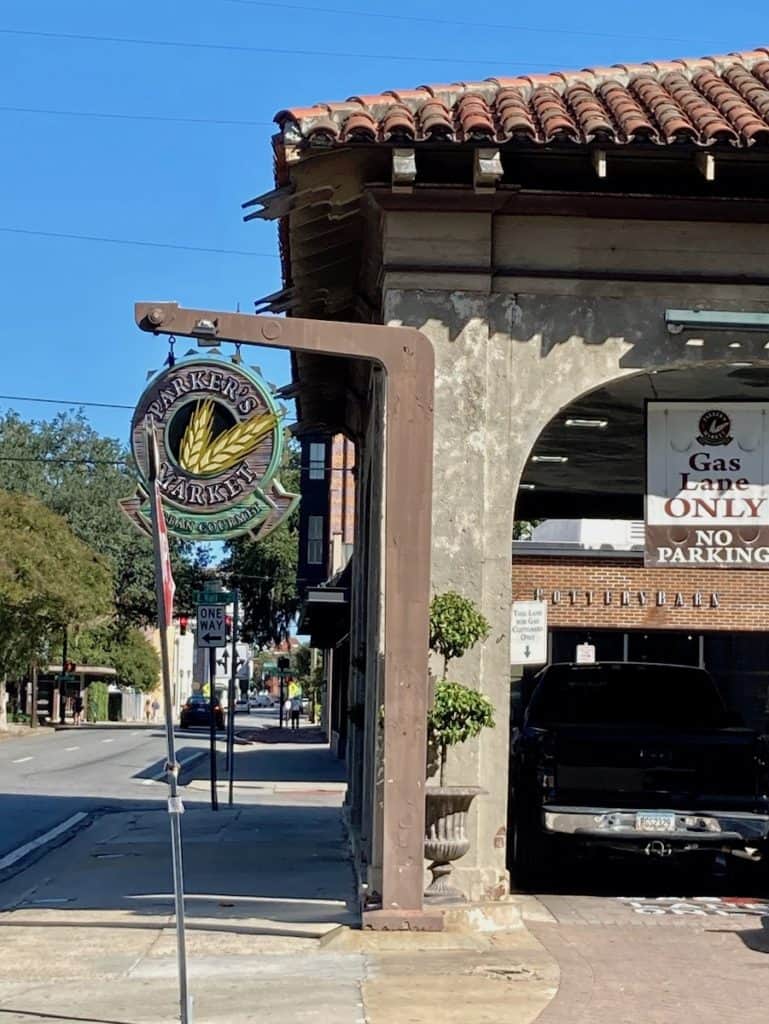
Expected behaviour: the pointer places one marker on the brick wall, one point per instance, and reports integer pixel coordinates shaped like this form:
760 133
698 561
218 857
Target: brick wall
617 593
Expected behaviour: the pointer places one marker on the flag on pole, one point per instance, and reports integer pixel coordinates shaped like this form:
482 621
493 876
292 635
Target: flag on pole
159 525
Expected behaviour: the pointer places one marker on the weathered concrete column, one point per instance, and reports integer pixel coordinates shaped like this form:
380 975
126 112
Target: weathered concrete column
473 503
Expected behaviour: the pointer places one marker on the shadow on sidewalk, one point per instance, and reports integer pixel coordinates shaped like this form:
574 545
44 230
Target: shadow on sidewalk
69 1019
276 863
309 734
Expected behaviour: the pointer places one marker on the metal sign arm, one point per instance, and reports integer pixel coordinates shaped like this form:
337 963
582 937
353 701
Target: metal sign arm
407 358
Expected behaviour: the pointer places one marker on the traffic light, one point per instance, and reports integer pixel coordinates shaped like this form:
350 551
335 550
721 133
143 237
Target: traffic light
184 621
70 667
284 663
228 626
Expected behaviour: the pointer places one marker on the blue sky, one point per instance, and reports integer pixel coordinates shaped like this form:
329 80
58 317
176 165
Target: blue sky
67 325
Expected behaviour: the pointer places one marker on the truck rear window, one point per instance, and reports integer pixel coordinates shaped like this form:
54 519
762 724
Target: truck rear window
622 693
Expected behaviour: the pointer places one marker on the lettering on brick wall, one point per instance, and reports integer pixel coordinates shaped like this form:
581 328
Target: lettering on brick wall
632 598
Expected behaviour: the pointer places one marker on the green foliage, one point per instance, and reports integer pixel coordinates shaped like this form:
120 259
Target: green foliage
302 660
97 702
522 528
47 578
458 713
190 564
456 625
265 572
83 486
125 649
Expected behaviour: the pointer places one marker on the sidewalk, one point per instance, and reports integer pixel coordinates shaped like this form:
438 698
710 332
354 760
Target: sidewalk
272 921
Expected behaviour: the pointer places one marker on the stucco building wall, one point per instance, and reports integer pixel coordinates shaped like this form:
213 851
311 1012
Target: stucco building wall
512 350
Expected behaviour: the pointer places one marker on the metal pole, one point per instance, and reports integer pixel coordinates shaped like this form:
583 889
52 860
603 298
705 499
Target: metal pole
280 675
231 720
175 806
33 709
64 659
212 735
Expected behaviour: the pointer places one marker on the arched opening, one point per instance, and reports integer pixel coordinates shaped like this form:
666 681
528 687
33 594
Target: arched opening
583 486
588 462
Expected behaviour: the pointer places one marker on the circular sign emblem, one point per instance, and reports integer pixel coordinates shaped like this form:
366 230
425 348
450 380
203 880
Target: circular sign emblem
220 442
714 428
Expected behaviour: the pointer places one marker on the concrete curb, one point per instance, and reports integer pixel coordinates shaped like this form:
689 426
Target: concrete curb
466 926
104 726
24 732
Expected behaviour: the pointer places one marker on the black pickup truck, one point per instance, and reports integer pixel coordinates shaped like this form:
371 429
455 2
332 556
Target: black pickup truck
638 758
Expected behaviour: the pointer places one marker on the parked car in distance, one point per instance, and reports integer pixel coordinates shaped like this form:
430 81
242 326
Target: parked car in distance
637 758
242 706
262 699
197 712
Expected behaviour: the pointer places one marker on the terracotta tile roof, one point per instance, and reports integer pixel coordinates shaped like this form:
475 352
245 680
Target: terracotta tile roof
722 99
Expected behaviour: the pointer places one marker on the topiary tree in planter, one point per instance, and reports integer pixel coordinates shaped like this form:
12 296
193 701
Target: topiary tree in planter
458 713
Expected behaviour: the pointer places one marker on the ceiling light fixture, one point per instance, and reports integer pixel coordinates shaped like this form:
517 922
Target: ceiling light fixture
550 458
715 320
598 424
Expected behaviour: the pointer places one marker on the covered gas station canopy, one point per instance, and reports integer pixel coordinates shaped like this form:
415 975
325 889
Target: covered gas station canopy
589 462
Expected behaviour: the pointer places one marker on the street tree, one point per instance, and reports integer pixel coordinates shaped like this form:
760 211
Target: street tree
126 649
82 475
48 578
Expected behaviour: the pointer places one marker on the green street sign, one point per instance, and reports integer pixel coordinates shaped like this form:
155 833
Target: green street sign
66 677
214 596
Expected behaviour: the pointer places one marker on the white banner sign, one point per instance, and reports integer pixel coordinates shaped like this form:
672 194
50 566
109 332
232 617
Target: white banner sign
707 484
528 640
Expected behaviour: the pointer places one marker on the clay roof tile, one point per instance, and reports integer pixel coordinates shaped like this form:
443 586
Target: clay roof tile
474 117
721 98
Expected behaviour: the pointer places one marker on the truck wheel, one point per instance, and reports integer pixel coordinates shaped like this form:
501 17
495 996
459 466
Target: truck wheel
532 855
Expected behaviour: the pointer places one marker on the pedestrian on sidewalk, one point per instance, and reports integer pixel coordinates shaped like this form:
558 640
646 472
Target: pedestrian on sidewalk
148 710
296 710
77 709
287 710
155 709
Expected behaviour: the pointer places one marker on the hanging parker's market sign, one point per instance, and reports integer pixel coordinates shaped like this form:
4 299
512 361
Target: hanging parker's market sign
220 441
707 485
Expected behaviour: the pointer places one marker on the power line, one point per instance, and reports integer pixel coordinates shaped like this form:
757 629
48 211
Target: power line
63 402
113 115
452 23
136 241
68 462
242 48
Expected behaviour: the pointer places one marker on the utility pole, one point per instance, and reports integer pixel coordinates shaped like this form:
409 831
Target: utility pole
212 734
231 699
33 701
64 660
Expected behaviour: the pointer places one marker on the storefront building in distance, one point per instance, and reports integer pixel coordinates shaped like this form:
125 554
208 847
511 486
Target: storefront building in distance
591 575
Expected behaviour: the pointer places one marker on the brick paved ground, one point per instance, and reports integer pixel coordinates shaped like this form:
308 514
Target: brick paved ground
657 960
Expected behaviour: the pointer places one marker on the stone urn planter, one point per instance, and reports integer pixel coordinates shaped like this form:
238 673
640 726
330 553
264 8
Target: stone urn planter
446 837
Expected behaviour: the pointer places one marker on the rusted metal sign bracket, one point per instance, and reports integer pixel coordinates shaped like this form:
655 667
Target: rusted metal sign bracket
407 358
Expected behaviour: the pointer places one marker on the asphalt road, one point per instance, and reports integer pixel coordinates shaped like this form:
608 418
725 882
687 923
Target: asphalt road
46 779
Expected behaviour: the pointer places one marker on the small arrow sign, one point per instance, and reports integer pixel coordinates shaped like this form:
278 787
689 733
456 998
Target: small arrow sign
212 628
528 634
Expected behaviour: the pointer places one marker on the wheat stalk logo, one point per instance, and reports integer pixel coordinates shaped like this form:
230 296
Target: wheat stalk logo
202 456
197 436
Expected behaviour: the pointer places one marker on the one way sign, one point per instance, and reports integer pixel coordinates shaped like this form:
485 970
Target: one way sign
212 626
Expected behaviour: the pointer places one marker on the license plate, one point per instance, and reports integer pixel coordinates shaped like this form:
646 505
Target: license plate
655 821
